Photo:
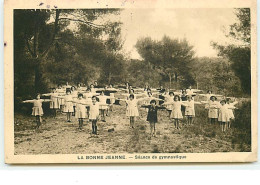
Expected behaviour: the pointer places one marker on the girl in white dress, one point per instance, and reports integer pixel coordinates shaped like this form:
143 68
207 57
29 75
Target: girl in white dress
80 110
94 114
176 113
189 110
223 116
92 88
54 103
132 109
61 91
230 107
104 106
88 96
213 106
169 99
68 106
37 108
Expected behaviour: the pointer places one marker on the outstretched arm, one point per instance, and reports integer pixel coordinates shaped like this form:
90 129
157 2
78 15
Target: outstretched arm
28 101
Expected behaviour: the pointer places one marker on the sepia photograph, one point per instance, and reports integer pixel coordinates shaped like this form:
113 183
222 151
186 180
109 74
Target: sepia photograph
131 83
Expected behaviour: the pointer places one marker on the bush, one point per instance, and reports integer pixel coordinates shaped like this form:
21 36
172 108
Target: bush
242 123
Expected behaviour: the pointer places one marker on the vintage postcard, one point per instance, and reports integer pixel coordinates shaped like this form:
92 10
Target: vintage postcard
130 81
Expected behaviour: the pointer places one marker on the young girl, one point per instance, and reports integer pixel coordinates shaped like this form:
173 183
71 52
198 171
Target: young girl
104 107
132 109
37 108
189 109
60 91
176 111
223 116
213 109
152 116
94 114
230 107
189 91
169 99
68 106
92 88
80 110
54 103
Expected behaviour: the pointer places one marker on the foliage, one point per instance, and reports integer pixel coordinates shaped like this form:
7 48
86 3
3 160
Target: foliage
239 55
216 74
171 57
55 46
242 122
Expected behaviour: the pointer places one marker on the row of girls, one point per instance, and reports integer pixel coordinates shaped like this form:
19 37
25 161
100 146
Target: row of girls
183 104
76 102
73 101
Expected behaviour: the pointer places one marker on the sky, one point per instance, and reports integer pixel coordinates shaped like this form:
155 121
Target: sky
198 26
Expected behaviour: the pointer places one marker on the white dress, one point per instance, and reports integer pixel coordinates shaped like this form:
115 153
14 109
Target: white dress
68 103
37 108
93 90
230 107
189 108
169 99
176 110
80 109
103 101
94 111
112 99
213 109
223 115
189 91
60 92
132 109
74 96
54 103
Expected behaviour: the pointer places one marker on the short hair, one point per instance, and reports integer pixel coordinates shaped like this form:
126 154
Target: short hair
38 94
223 101
68 90
152 101
213 97
171 93
94 97
209 91
131 96
80 95
177 96
73 87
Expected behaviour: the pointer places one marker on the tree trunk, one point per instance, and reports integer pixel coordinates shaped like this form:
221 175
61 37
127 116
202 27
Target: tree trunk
38 81
176 79
109 77
170 78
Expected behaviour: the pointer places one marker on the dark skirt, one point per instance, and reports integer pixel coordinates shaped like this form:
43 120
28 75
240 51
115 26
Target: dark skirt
152 116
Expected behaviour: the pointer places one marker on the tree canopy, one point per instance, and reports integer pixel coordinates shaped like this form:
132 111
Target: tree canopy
239 54
171 57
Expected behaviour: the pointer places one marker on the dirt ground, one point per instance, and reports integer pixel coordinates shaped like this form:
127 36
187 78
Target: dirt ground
56 136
